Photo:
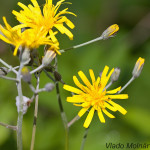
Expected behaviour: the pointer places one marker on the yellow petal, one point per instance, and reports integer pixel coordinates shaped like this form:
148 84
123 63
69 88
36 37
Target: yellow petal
63 30
75 99
118 107
84 79
5 39
52 36
82 111
72 89
34 2
104 73
23 7
97 81
114 91
89 118
108 114
16 50
110 107
67 21
76 81
92 75
86 104
6 24
119 96
100 115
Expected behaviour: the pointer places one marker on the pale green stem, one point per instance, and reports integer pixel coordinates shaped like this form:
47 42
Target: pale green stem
84 138
76 118
8 78
63 114
127 84
81 45
35 115
8 66
20 111
8 126
37 69
110 83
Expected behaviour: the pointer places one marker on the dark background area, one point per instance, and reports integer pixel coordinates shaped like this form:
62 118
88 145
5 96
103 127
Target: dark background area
132 41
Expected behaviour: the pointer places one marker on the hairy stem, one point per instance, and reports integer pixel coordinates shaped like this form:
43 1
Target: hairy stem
35 115
63 114
127 84
8 66
83 44
76 118
20 111
37 69
84 138
8 78
8 126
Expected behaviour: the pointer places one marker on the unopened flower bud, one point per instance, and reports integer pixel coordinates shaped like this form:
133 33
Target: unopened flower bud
138 67
110 31
49 56
57 76
115 75
26 102
49 87
26 76
25 58
3 71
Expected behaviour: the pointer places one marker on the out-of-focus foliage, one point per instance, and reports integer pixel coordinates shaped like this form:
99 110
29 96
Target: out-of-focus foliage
131 42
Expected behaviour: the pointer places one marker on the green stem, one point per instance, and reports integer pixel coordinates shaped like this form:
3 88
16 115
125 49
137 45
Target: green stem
84 138
8 66
76 118
8 126
83 44
20 111
63 115
35 116
37 69
127 84
8 78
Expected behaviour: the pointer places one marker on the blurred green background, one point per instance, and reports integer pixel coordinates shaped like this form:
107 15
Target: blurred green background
132 41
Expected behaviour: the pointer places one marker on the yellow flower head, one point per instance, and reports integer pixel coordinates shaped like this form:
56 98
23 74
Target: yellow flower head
30 38
138 67
94 97
110 31
33 17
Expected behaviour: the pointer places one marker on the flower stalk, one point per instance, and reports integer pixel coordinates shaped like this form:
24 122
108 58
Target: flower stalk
35 115
20 111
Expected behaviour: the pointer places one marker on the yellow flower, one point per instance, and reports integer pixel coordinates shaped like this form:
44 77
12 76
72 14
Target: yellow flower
94 97
33 17
30 38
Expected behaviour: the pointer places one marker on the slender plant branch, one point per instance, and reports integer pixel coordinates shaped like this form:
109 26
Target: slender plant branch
37 69
35 115
8 78
127 84
49 76
8 66
83 44
110 83
84 138
76 118
63 114
8 126
20 111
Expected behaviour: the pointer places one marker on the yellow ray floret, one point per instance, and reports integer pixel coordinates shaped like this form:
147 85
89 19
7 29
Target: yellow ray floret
94 97
30 38
48 18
